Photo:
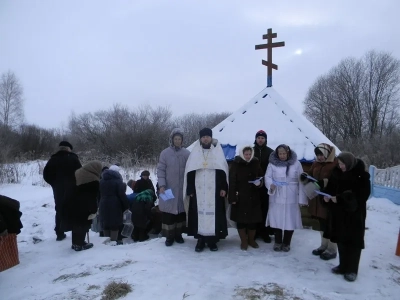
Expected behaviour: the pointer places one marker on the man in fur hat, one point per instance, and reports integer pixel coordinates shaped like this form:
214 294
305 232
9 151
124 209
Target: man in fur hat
59 172
206 185
263 152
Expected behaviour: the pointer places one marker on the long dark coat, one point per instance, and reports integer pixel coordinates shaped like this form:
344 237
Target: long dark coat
10 215
346 218
246 195
83 204
59 172
221 226
113 201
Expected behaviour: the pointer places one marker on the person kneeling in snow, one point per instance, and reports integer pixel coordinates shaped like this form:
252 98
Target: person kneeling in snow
141 214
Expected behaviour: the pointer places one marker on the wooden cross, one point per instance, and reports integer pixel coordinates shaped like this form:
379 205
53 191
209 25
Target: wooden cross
269 45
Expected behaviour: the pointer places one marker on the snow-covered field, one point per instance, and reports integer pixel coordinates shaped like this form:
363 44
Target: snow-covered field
51 270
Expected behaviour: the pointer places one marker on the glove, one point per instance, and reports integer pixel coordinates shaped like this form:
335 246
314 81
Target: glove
303 176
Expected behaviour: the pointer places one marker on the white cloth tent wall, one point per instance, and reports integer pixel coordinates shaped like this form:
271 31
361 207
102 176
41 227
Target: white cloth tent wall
270 112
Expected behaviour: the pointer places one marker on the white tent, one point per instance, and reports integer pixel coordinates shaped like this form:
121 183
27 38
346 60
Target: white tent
270 112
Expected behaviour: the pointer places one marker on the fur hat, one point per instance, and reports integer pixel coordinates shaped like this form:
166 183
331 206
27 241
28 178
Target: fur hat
261 133
348 159
175 132
145 173
65 144
205 132
323 149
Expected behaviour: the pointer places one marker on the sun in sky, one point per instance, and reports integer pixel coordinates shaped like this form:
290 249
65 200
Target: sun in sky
299 52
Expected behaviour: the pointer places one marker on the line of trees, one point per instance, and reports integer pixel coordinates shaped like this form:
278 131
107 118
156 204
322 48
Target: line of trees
134 136
120 134
356 105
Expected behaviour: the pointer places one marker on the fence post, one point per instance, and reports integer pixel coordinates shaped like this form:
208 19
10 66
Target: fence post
372 179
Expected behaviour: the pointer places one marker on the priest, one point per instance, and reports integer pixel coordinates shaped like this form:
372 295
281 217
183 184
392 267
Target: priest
206 185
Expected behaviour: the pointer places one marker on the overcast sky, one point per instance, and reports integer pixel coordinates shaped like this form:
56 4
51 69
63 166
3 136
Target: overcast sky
194 56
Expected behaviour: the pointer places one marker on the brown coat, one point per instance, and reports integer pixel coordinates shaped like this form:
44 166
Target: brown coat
321 171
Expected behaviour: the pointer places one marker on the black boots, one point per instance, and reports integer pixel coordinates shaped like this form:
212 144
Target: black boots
179 239
85 246
200 245
61 236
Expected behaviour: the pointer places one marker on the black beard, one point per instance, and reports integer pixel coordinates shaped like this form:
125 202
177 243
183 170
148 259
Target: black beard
205 146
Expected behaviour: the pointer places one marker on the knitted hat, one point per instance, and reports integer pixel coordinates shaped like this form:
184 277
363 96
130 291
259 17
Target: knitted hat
348 159
261 133
145 173
205 132
323 149
65 144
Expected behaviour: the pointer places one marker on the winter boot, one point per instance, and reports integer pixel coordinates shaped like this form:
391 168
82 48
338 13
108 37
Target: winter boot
350 277
179 239
251 241
285 248
61 236
337 270
212 246
330 252
200 245
169 242
277 247
243 239
324 245
85 246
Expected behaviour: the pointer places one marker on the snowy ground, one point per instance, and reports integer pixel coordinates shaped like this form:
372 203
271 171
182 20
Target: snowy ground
51 270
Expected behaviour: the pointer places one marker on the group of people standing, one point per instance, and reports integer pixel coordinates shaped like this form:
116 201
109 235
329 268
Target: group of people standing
259 193
264 189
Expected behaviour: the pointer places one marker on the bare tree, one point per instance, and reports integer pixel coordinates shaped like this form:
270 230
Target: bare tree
381 91
11 102
358 98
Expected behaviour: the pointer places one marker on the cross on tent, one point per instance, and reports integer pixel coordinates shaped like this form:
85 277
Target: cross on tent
269 45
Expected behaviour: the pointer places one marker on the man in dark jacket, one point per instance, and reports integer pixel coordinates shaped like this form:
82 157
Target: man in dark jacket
262 152
59 172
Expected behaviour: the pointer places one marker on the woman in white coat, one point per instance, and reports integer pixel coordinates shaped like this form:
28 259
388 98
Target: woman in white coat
286 194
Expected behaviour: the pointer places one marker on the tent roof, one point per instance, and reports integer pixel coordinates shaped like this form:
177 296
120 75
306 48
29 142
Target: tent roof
270 112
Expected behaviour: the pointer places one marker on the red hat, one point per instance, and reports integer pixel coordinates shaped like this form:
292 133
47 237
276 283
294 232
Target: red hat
261 133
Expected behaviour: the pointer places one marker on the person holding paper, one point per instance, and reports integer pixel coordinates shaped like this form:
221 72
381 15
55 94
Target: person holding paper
321 169
284 211
350 188
170 174
262 152
206 186
245 183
